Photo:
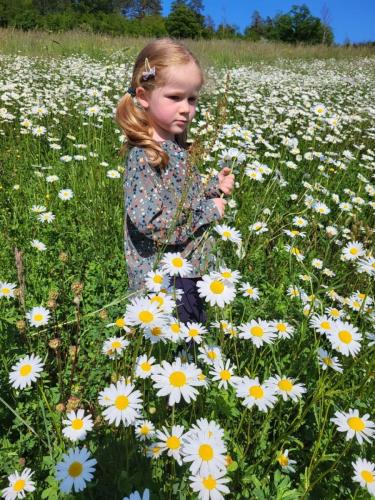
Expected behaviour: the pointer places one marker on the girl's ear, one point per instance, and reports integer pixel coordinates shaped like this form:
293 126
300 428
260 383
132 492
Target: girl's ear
142 97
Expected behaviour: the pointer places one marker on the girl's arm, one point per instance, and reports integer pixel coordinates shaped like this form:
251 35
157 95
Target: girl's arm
148 211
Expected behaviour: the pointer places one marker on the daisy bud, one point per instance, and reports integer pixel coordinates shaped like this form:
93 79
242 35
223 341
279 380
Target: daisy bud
63 257
54 344
77 288
73 403
103 314
21 461
114 377
60 407
21 325
73 351
53 294
152 410
17 293
51 304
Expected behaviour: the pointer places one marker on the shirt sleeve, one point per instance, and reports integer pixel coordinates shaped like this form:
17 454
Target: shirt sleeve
147 209
211 189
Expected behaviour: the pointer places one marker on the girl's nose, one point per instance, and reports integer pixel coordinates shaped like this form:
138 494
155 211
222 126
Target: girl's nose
184 106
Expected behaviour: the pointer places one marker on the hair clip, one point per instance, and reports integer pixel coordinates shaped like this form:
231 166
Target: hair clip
150 72
131 91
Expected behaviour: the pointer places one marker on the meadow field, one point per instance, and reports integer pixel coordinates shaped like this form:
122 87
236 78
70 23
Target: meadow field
104 393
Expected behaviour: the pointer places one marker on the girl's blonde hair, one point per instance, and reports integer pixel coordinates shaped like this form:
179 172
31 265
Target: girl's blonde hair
133 120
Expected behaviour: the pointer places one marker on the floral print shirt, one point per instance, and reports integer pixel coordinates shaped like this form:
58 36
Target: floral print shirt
166 210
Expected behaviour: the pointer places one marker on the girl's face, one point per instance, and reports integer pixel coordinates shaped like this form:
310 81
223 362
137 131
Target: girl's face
171 107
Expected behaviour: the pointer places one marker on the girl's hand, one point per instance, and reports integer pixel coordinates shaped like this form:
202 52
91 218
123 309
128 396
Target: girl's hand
226 180
220 205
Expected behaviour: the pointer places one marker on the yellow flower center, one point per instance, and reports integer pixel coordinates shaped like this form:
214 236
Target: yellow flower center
226 274
212 354
225 375
209 482
75 469
145 316
281 327
121 402
193 332
353 251
285 385
120 322
356 423
144 429
367 476
77 424
256 392
38 317
158 279
25 370
361 296
257 331
283 460
177 262
155 450
335 313
250 291
146 367
345 336
326 325
116 344
294 231
356 304
173 442
177 379
226 234
175 327
5 290
217 287
19 485
156 331
158 299
206 452
327 361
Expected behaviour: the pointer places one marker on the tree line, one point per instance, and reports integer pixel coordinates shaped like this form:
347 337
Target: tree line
144 18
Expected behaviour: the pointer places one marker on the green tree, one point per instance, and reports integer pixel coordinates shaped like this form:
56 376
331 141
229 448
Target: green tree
141 8
182 22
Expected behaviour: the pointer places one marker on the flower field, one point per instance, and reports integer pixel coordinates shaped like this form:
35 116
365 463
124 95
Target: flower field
104 393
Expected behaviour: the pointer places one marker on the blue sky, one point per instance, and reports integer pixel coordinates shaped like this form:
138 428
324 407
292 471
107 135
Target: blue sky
353 19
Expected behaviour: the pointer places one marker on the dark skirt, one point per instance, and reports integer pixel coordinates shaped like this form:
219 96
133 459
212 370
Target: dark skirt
190 308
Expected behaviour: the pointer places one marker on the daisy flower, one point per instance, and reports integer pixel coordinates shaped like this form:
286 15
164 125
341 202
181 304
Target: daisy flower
19 484
353 250
38 316
144 430
114 346
164 301
334 313
137 496
249 291
228 233
227 274
65 194
282 328
325 361
322 323
364 474
7 289
39 245
210 486
171 442
75 469
215 291
193 332
210 427
156 281
255 393
223 373
210 354
299 221
77 425
258 227
122 403
286 387
366 265
319 109
155 334
321 208
38 209
173 329
258 331
285 462
295 251
176 265
46 217
345 338
145 366
144 313
113 174
119 323
24 372
317 263
355 426
177 380
205 453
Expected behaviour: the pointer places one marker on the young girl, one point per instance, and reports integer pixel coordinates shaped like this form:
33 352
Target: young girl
167 208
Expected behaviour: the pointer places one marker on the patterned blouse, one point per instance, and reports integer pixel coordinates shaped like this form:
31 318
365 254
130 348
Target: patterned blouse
166 210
